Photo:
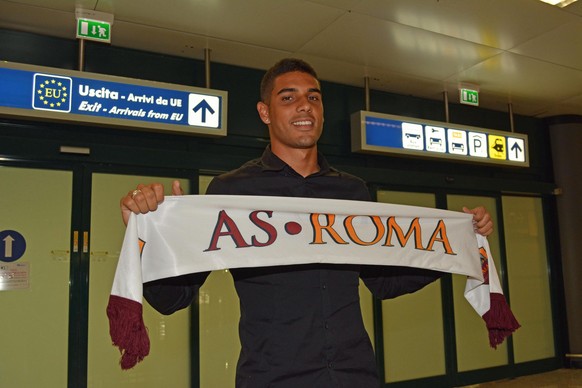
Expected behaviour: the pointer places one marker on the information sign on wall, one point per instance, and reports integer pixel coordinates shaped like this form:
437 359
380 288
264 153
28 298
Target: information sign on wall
31 92
389 134
14 276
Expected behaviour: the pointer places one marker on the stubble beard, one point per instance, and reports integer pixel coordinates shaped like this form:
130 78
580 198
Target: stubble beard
306 143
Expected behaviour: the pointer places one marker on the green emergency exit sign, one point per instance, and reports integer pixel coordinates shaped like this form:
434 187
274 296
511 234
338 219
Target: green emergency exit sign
94 30
469 97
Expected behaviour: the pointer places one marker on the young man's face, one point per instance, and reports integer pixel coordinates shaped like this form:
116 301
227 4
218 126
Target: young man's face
294 113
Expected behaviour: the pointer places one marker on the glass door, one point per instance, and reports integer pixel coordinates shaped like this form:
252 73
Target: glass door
529 280
219 313
472 345
168 364
35 257
413 324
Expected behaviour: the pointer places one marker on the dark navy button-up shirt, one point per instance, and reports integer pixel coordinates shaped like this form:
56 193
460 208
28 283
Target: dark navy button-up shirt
301 325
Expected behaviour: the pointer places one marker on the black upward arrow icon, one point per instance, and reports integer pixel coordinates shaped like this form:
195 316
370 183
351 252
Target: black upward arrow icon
517 149
204 106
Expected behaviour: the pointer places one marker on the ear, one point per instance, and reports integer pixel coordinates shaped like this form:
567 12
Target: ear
263 110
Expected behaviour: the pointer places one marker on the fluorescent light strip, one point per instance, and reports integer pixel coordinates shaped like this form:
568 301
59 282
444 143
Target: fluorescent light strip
559 3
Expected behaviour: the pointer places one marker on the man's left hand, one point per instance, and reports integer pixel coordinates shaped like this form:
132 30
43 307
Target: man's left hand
482 221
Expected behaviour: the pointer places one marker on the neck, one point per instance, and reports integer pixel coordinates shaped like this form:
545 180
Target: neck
302 160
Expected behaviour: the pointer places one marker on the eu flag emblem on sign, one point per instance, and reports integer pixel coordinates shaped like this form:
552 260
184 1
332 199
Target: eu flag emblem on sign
52 92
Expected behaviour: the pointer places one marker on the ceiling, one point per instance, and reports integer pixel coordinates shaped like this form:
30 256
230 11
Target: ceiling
522 52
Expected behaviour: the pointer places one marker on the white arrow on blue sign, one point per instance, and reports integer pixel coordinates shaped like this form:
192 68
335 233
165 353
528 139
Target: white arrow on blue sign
12 245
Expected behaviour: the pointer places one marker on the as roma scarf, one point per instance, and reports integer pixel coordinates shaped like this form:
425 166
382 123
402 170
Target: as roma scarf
189 234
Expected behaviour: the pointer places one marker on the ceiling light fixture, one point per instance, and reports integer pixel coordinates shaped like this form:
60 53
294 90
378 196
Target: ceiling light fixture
559 3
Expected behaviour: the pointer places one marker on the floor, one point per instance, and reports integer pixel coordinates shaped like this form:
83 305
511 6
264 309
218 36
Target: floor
561 378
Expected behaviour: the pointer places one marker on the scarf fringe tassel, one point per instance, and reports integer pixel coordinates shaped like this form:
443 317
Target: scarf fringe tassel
499 320
128 331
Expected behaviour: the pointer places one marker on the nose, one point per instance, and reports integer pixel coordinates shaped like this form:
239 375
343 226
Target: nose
303 104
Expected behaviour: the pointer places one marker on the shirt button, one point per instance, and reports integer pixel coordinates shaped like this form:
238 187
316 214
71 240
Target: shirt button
326 325
324 286
330 365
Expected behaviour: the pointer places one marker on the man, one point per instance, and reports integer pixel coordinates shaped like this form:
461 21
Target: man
300 326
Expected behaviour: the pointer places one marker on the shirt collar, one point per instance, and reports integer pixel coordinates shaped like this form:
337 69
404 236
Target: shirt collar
271 162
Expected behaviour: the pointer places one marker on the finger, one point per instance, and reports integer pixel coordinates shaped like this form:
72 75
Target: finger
482 222
147 197
141 200
158 190
176 189
478 212
128 206
486 229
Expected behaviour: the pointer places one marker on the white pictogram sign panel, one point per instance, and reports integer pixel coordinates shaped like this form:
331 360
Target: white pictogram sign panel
412 138
435 139
457 140
478 144
203 110
516 149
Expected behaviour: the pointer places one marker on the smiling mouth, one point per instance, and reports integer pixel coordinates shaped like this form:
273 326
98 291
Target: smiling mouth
302 123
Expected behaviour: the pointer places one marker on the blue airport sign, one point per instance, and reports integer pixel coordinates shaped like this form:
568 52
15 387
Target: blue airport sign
388 134
32 92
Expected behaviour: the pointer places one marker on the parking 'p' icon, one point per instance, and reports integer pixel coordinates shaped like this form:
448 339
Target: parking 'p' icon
478 144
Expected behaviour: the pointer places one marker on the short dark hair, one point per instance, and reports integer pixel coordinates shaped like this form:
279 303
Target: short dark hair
286 65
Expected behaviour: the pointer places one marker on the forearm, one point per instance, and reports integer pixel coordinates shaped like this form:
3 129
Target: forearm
387 282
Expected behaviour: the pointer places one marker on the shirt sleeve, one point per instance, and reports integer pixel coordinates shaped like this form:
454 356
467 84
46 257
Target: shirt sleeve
172 294
387 282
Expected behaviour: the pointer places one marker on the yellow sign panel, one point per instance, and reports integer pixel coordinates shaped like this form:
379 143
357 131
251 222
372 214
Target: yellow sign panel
497 147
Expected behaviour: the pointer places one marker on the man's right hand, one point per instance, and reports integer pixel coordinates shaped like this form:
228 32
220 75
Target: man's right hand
145 198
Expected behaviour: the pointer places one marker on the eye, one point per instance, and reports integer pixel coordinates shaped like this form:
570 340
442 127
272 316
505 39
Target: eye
314 97
286 98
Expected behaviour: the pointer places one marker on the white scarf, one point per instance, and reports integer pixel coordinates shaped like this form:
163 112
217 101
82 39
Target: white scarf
189 234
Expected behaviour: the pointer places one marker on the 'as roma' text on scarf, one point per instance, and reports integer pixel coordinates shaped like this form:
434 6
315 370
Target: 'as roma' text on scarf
189 234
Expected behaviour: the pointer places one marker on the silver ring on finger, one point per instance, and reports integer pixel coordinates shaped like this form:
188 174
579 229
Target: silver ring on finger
135 193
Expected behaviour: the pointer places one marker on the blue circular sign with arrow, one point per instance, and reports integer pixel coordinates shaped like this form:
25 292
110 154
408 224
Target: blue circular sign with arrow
12 245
